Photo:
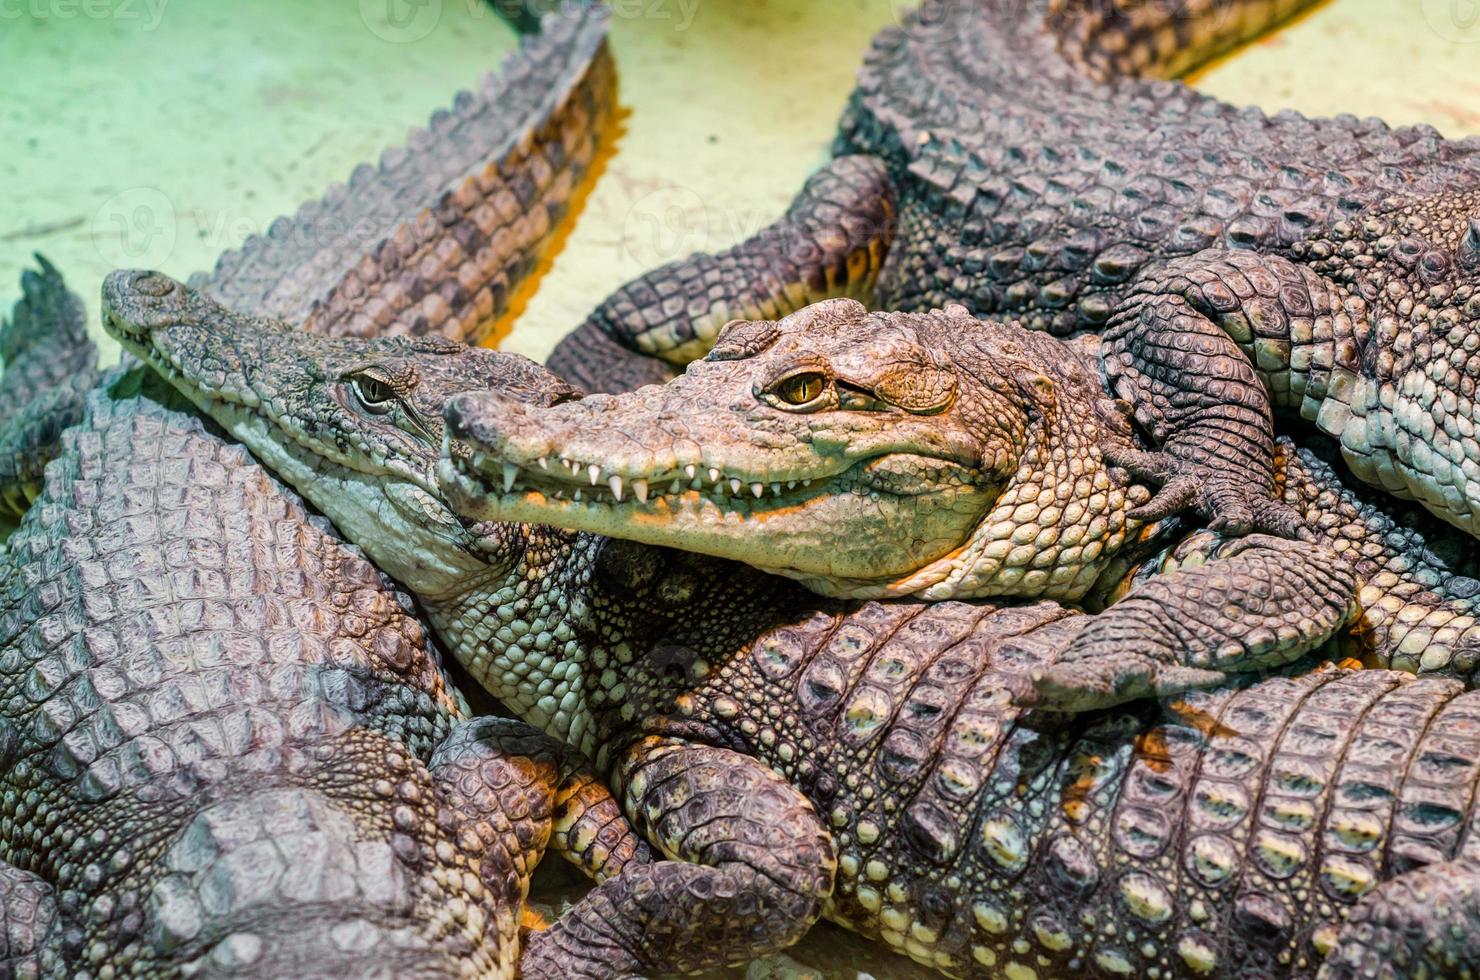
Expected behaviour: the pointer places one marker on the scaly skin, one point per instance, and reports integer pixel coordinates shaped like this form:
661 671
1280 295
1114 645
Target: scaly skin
920 455
1369 328
218 717
437 238
932 455
767 742
50 363
1019 157
217 732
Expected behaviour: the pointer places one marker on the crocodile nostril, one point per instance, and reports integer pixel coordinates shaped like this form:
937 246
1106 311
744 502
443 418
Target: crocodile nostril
152 284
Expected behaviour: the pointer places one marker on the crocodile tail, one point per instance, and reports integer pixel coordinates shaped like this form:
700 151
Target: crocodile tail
1165 39
441 234
50 363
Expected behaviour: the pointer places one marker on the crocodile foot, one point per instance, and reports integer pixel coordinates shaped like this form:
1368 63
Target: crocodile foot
1230 505
1261 603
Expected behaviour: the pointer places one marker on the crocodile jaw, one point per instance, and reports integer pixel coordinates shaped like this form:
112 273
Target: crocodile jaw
839 530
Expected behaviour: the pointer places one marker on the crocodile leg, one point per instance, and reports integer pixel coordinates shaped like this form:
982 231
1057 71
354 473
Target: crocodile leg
1188 350
49 365
750 868
591 831
831 242
1262 603
492 764
1424 923
29 928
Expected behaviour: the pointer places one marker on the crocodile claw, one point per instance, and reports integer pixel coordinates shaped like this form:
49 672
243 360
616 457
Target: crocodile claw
1105 681
1230 507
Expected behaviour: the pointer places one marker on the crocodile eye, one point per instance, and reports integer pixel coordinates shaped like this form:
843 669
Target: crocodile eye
374 396
800 389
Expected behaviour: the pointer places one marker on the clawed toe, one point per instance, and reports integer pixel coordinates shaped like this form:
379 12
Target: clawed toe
1229 506
1105 681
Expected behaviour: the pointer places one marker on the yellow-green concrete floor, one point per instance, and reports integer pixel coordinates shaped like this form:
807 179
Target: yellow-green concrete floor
159 132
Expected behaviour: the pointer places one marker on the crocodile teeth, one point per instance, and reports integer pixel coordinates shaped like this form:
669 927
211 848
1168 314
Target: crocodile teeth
713 475
776 489
544 463
690 471
573 467
616 484
757 489
676 486
595 473
511 473
791 484
576 496
639 490
735 486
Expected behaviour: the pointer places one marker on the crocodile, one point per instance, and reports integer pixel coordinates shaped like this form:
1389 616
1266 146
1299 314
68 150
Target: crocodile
50 365
1030 159
791 756
438 237
228 744
937 456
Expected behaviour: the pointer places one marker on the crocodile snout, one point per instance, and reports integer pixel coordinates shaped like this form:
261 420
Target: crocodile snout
134 300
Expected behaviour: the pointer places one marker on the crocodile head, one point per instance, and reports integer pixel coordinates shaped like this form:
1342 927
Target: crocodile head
864 454
354 425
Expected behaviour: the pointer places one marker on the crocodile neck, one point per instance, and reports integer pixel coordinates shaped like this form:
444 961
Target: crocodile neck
569 627
523 629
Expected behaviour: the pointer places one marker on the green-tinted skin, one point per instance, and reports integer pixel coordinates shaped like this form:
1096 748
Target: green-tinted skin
794 758
435 238
50 364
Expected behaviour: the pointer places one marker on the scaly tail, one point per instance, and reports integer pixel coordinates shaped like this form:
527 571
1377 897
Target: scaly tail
50 363
1165 39
440 235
